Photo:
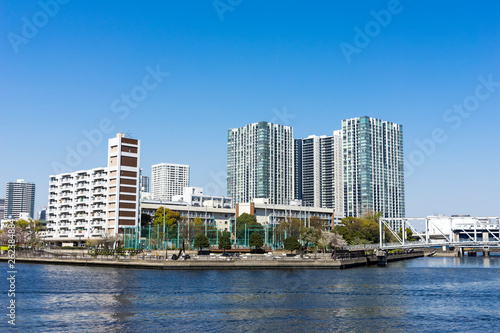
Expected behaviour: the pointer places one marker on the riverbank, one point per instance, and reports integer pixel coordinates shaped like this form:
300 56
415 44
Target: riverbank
215 262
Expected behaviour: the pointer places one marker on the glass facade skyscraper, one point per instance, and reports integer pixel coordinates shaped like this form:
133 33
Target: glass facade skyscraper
356 170
260 163
373 167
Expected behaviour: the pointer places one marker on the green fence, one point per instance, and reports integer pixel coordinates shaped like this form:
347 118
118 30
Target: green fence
163 238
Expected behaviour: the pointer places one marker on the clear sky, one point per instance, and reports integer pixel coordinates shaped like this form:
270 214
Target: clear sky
101 67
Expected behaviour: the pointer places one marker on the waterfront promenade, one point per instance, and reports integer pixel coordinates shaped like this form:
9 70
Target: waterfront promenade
248 261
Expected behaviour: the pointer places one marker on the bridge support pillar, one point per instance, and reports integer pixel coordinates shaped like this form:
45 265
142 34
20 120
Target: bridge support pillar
460 251
486 253
381 258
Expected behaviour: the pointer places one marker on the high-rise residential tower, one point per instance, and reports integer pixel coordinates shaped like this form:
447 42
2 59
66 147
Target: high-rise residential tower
168 179
20 198
319 171
373 167
260 163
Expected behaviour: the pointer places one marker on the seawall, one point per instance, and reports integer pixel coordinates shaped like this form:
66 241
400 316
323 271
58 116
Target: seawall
216 263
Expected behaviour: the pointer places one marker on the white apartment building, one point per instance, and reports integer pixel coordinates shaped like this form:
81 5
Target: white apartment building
91 203
168 179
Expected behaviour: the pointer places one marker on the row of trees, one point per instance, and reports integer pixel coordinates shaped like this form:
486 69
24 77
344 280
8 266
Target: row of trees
291 232
314 234
25 233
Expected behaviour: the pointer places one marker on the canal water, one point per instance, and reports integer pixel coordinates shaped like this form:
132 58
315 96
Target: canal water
421 295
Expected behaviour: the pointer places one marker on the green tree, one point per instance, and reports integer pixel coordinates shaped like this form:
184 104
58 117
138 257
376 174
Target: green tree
247 222
409 234
256 240
291 244
199 226
201 241
171 217
225 241
371 215
23 224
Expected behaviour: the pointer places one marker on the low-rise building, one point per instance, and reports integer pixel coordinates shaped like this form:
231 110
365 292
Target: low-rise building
269 214
222 218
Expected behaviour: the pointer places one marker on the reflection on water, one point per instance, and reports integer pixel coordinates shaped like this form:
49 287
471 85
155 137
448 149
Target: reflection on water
425 295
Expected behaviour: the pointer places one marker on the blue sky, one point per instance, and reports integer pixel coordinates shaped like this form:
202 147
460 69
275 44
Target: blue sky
247 61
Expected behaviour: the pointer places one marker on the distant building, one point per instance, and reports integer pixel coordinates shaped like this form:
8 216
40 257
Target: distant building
373 167
2 208
319 171
260 163
168 179
42 215
101 201
145 184
19 198
194 196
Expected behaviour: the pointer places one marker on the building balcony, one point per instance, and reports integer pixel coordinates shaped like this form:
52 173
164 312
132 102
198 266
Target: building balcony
82 192
100 175
80 223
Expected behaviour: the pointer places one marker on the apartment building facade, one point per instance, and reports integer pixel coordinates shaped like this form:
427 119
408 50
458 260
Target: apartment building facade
319 171
19 198
260 163
94 203
168 179
373 167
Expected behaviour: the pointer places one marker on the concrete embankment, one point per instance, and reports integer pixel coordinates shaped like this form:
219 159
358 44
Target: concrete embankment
217 263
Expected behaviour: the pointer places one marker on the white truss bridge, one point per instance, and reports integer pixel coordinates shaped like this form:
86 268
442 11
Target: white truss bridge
460 231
